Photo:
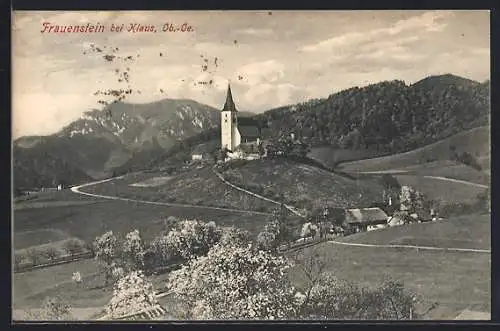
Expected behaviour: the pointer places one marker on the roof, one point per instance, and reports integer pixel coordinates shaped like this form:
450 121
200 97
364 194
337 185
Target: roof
365 215
473 315
229 104
247 131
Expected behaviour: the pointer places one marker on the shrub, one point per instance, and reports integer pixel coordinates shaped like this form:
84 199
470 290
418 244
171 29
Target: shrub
51 253
53 309
18 259
34 256
73 247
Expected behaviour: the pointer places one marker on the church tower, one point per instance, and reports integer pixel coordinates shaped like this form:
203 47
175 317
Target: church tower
230 135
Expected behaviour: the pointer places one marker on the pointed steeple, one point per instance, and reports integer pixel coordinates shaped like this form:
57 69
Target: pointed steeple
229 104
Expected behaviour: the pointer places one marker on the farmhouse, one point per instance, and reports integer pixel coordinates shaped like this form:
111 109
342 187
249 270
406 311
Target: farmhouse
237 132
421 215
364 219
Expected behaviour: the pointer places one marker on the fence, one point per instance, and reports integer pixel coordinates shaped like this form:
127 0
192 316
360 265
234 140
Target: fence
61 260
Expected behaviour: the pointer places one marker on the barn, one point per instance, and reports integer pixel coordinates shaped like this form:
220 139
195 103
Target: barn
362 219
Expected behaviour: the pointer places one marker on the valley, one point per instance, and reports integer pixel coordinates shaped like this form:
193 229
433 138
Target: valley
143 173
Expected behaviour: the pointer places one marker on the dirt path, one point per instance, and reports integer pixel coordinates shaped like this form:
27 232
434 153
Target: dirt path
430 248
290 208
76 189
406 172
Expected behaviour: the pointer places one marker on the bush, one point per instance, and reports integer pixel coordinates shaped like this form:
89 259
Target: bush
18 259
51 253
34 256
73 247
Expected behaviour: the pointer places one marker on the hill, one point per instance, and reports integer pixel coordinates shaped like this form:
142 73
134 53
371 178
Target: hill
121 130
387 117
303 185
475 142
379 119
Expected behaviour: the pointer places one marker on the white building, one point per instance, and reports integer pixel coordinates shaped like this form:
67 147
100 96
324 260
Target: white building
238 132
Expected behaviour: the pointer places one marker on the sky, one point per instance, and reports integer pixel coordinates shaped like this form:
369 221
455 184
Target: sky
271 58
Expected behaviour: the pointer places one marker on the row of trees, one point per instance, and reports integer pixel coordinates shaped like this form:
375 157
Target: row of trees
226 274
36 256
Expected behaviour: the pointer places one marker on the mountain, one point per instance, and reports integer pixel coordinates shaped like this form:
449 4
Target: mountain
102 140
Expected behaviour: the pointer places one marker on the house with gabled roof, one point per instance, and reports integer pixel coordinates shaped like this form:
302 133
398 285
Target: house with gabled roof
362 219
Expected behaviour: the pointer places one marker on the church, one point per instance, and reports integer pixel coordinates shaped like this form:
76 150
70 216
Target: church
239 133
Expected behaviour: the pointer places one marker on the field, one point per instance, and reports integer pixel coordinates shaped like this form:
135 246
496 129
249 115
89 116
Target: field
453 280
119 216
301 184
444 191
331 156
193 186
475 141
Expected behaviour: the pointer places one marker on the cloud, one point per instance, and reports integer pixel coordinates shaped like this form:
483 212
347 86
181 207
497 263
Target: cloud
254 31
429 22
268 71
54 82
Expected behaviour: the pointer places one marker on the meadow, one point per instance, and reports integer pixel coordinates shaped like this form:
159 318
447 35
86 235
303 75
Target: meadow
474 141
452 280
303 185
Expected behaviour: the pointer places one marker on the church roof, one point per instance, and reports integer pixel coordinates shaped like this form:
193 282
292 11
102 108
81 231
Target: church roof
249 131
229 104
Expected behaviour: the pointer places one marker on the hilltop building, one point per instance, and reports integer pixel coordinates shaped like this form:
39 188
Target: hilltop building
239 134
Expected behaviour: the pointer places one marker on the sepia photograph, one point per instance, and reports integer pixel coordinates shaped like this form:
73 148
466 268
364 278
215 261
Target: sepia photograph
251 165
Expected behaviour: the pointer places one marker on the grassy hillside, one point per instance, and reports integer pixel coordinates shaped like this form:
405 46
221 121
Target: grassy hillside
331 156
470 231
192 186
475 142
303 185
453 280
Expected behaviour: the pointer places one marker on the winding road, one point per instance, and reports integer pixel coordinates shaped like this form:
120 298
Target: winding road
77 189
406 172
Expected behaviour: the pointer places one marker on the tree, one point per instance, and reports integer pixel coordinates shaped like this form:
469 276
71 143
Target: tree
131 294
105 248
133 250
193 238
73 246
309 230
33 255
277 231
235 236
51 252
234 282
411 200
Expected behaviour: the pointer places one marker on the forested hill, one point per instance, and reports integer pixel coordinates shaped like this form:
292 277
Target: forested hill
387 117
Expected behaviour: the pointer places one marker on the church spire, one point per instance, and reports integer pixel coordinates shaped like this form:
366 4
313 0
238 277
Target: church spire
229 104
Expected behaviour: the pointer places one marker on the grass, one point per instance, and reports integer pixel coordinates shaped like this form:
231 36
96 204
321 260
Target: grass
121 217
453 280
30 288
474 141
450 169
27 239
471 231
301 184
194 186
444 191
331 156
